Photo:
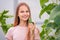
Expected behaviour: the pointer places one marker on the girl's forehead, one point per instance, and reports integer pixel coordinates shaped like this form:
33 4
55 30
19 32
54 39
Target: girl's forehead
23 7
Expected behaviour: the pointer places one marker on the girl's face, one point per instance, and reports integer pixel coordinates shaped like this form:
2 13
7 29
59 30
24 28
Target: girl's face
23 13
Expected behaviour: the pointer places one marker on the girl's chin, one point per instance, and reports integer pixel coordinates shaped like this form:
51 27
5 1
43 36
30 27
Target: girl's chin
25 19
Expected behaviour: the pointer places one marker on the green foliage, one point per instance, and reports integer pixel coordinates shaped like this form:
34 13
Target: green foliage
55 12
3 17
53 9
46 8
42 2
57 20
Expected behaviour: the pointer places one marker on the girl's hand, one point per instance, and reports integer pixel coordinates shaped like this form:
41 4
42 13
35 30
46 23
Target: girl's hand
31 28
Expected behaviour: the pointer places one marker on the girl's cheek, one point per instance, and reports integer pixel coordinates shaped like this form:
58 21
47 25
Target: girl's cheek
20 14
28 14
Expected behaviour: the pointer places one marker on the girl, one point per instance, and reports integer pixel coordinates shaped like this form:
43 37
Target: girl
23 29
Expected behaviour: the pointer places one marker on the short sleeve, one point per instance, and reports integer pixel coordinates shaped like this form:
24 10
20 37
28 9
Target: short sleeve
37 36
9 34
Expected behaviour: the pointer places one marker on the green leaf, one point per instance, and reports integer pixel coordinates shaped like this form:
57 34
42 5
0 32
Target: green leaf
42 34
42 2
46 21
9 25
5 12
47 9
55 12
57 19
51 38
43 26
52 25
43 6
3 21
7 16
3 16
57 33
0 14
4 27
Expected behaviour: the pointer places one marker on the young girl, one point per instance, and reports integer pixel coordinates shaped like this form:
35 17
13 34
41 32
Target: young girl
23 29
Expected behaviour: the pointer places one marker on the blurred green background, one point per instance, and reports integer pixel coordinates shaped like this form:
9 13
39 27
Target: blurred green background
51 26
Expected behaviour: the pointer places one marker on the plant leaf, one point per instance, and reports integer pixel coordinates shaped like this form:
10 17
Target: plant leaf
47 8
5 12
42 2
57 19
54 12
7 16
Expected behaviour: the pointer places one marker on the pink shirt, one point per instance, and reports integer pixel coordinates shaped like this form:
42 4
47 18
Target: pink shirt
19 33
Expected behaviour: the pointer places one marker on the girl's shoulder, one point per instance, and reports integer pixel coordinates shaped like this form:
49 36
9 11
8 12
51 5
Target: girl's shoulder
12 28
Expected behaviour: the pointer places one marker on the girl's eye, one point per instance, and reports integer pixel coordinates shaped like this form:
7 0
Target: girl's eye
27 11
22 11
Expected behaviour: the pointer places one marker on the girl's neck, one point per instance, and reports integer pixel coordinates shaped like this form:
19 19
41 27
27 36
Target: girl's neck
23 23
